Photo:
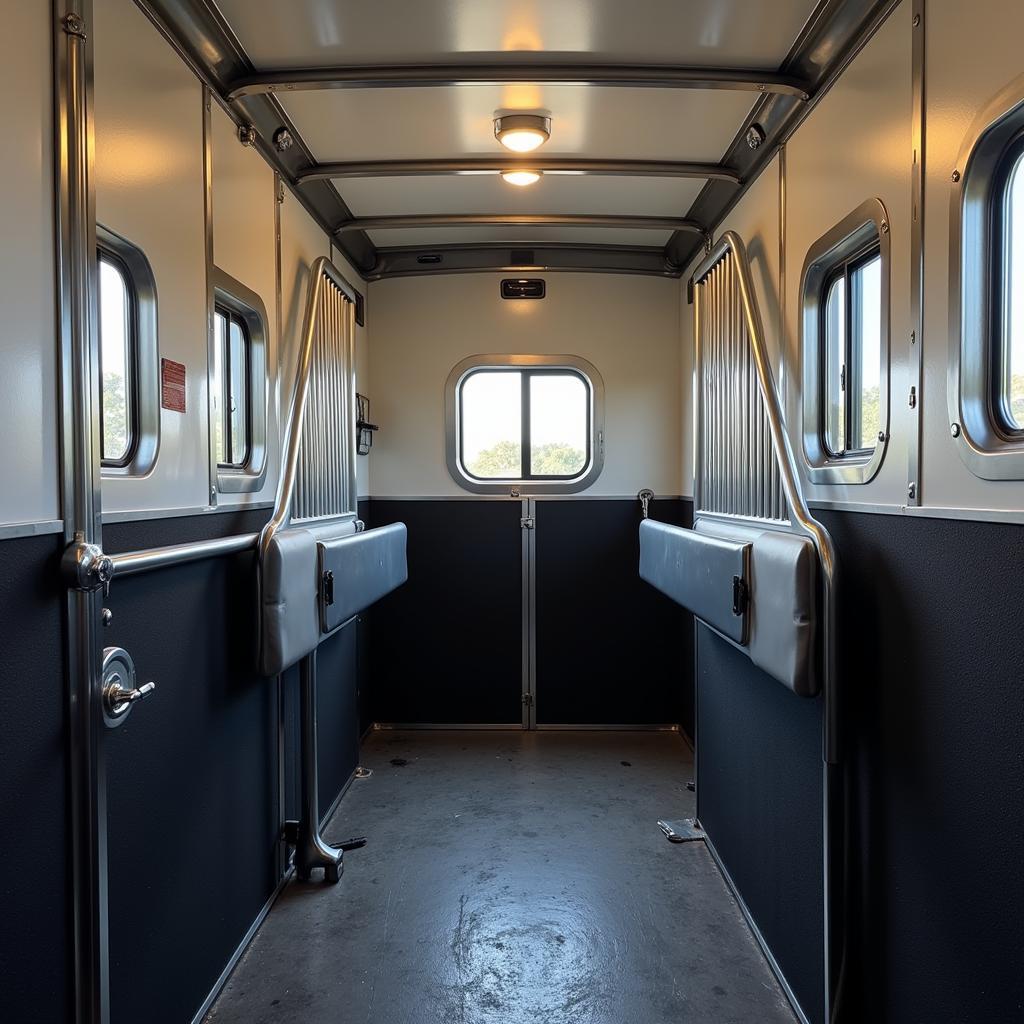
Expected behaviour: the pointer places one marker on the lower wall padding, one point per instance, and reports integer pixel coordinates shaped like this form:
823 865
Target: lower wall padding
931 649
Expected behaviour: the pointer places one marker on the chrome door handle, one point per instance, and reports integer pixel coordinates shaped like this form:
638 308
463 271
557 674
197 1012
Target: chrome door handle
118 690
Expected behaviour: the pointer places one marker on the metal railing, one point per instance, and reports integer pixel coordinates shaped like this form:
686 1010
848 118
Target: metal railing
746 470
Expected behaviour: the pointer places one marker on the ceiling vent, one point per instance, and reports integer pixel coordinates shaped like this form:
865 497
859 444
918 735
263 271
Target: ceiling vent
522 288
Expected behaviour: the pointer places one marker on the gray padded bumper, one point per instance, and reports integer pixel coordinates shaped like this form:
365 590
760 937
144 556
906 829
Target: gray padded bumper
781 584
295 613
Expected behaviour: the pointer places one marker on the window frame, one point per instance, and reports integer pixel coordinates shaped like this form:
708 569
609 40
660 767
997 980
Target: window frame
529 366
854 242
142 378
986 444
230 296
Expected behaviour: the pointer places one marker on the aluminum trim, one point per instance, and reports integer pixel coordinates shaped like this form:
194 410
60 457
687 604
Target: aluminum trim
14 531
867 223
207 128
141 515
915 354
404 76
531 488
982 448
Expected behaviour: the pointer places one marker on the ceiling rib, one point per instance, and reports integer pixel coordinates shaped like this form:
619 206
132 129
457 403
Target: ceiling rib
832 37
557 220
509 257
407 76
496 164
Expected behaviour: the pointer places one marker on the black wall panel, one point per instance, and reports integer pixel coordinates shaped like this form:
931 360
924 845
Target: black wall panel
192 775
932 662
36 980
337 713
448 644
609 648
759 797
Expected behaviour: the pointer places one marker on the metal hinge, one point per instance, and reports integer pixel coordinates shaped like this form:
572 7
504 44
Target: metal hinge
528 523
528 699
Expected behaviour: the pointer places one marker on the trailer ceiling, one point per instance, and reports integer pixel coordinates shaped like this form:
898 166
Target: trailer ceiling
391 104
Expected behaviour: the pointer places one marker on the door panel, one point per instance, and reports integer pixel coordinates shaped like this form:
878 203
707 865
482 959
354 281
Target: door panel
610 650
450 639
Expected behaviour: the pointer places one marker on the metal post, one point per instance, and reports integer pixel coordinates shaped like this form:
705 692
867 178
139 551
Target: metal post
84 565
310 849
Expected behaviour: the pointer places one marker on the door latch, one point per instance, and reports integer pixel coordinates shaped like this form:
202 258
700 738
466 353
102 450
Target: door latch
528 700
740 595
327 587
528 523
118 691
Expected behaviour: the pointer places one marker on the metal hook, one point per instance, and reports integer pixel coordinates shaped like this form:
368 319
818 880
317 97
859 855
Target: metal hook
646 496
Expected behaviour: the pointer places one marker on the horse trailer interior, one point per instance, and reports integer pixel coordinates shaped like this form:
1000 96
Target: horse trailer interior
513 512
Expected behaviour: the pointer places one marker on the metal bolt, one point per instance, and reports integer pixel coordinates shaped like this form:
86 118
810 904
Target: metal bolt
954 429
917 21
885 227
74 25
106 616
956 176
911 490
283 139
883 436
755 136
247 135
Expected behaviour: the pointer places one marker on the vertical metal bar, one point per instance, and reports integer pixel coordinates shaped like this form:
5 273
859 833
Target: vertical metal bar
915 358
211 338
350 372
698 403
531 541
80 496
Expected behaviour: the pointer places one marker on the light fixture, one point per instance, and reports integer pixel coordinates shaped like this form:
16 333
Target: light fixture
522 133
520 178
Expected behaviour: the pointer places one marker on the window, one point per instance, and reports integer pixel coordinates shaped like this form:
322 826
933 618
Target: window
1009 369
129 385
238 386
845 344
986 390
532 421
231 387
117 360
850 357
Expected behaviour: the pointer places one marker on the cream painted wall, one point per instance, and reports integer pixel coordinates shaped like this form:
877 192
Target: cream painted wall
28 341
149 188
244 246
149 181
855 145
628 327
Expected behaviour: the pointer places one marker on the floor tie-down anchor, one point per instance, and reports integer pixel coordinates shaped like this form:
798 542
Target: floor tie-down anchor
684 830
311 851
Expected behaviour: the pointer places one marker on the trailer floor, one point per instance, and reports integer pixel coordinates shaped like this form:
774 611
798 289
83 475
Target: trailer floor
510 878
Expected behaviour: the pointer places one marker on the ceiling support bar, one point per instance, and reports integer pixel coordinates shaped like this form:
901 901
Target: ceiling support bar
496 164
405 76
571 220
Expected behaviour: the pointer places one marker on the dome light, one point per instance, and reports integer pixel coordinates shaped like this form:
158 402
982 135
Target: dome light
522 133
521 178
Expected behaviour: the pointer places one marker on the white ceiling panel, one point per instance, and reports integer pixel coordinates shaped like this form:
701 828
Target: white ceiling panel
649 197
427 237
597 122
750 33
